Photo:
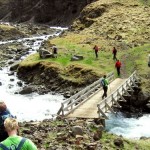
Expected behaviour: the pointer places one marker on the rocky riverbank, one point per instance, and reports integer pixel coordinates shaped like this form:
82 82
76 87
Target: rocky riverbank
76 134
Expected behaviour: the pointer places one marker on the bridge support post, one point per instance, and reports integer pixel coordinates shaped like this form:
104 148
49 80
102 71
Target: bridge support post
103 122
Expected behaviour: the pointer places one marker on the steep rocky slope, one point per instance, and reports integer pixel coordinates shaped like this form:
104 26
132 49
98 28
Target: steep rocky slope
58 12
124 24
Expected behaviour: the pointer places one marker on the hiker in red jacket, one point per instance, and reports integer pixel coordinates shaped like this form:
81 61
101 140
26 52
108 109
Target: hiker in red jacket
118 66
96 50
114 51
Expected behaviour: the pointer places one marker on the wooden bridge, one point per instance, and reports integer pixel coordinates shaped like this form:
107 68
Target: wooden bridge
88 103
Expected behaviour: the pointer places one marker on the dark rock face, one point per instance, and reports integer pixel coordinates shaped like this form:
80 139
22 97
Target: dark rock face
136 104
58 12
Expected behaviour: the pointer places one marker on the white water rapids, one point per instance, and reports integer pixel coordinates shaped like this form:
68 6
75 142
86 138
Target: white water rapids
38 107
31 106
129 127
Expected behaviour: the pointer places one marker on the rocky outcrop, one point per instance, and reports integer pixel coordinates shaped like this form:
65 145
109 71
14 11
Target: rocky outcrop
50 77
58 12
8 32
136 104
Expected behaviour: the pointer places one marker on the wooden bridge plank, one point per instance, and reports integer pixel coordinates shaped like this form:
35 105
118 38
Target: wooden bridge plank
89 108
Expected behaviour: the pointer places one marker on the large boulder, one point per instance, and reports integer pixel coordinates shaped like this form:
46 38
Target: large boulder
76 58
45 53
77 130
14 66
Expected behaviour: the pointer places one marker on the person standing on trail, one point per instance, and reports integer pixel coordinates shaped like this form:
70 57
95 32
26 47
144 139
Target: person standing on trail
104 83
118 66
55 49
14 141
96 49
114 51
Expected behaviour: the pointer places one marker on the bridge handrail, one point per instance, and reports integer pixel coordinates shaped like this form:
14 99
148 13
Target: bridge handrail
79 97
106 104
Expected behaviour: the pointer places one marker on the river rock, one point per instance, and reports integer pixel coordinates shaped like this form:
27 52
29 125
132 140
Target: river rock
14 66
91 146
45 53
67 94
19 83
9 56
77 130
10 62
12 79
61 137
76 58
26 131
119 142
17 57
98 132
26 90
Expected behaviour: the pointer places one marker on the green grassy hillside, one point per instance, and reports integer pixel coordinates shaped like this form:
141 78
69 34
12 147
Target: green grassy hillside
119 23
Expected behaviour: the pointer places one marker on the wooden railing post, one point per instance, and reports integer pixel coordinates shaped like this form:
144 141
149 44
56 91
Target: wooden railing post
112 99
62 106
71 105
105 106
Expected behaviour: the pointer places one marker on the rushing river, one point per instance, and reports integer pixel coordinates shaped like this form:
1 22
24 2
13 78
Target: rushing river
31 106
38 107
129 127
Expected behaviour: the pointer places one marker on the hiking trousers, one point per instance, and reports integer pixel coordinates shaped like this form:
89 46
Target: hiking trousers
96 54
105 88
118 71
114 57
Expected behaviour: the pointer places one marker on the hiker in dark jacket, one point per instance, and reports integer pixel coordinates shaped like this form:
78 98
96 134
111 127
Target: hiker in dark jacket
114 51
4 113
55 49
96 49
104 83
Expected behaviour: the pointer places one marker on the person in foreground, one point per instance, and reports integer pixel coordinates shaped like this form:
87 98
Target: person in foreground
4 113
14 141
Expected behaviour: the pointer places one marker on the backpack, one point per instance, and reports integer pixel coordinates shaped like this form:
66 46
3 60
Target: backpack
3 115
96 47
13 147
102 82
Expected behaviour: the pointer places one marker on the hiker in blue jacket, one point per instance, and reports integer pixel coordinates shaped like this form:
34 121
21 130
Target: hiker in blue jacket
4 113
